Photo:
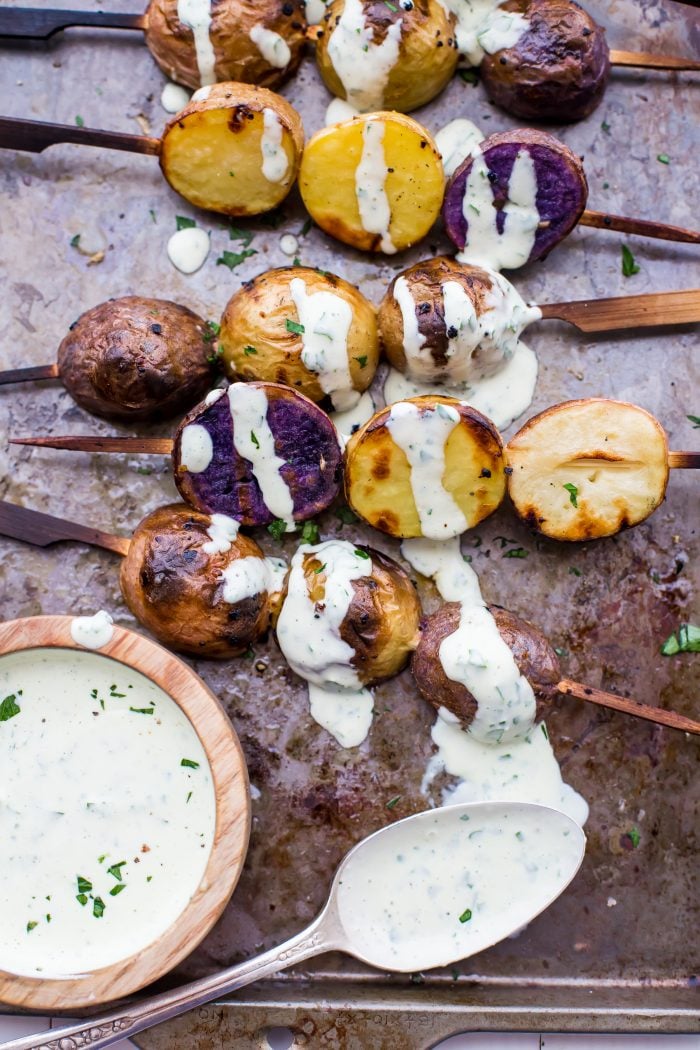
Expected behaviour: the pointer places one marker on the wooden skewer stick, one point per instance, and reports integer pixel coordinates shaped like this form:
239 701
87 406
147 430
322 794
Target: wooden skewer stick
629 707
626 311
23 375
34 136
684 460
79 443
31 526
644 61
600 220
32 23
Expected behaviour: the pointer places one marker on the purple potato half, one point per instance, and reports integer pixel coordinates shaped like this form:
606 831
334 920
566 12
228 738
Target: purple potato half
557 71
304 438
562 190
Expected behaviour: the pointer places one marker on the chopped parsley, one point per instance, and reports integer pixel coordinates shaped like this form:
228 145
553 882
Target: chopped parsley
319 569
469 76
294 327
75 241
362 360
573 493
190 763
516 552
211 332
236 234
310 533
392 7
663 158
629 266
79 121
116 870
182 222
142 710
466 915
361 554
9 708
695 420
31 926
84 885
254 439
248 350
393 801
605 127
116 890
634 837
573 571
346 516
685 640
98 907
234 259
81 898
152 214
277 528
306 227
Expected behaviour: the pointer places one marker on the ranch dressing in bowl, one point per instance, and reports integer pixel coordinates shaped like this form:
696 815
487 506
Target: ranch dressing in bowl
107 812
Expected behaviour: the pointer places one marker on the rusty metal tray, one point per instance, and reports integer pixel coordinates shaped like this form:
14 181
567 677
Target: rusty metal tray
619 951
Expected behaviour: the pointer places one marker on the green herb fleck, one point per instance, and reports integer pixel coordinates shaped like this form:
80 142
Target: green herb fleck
98 907
634 837
606 185
84 885
519 836
75 241
182 222
362 360
31 926
516 552
212 330
629 266
153 215
310 533
189 796
392 7
81 898
190 763
346 516
573 571
254 439
361 554
695 420
9 708
116 870
149 877
469 76
663 158
319 569
115 890
322 273
294 327
573 493
606 127
467 558
544 730
393 801
248 350
236 234
142 710
466 915
685 640
144 470
79 121
100 860
234 259
48 917
277 528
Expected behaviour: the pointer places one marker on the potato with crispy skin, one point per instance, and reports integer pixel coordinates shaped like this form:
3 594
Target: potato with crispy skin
586 469
234 149
379 483
257 42
375 182
534 657
199 591
307 329
360 35
558 69
136 358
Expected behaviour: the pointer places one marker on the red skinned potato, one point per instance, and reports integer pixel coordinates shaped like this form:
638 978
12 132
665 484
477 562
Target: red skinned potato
533 654
558 69
258 452
136 358
559 197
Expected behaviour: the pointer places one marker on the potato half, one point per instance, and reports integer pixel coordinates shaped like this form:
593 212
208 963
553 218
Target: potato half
360 39
257 43
533 654
233 149
136 358
178 589
586 469
375 182
260 337
467 472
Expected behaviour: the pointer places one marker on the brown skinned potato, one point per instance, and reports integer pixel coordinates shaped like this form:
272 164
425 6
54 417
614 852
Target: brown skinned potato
256 342
426 59
212 151
237 55
175 588
533 654
137 358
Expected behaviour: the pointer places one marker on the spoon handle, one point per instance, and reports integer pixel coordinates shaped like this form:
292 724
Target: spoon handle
133 1017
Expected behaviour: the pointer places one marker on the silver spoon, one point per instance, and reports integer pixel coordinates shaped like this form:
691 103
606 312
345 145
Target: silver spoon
423 892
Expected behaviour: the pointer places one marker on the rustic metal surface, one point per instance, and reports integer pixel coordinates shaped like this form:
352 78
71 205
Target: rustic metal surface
619 950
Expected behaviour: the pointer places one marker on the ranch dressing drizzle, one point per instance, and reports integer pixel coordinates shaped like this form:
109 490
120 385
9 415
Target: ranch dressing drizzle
483 28
74 825
174 97
456 141
222 532
275 160
245 578
413 339
502 755
273 47
92 632
326 320
254 441
339 110
188 249
370 185
314 11
422 433
346 423
308 634
363 66
197 15
485 246
196 448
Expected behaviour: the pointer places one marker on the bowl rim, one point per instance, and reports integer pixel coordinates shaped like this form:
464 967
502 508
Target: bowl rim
231 832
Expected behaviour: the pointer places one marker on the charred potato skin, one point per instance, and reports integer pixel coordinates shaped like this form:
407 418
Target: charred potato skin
135 358
237 57
425 280
255 319
428 52
382 622
558 70
533 655
174 588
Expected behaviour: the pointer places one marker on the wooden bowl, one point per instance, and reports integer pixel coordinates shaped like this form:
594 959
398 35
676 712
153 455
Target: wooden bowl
232 825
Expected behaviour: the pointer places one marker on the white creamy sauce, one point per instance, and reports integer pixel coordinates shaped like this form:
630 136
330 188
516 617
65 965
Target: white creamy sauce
244 578
222 532
92 632
485 245
428 893
456 141
483 28
502 754
275 160
413 339
253 439
273 47
422 433
196 448
326 319
289 244
314 10
188 249
197 15
277 569
214 395
346 423
174 97
308 634
96 863
202 94
363 66
370 185
339 110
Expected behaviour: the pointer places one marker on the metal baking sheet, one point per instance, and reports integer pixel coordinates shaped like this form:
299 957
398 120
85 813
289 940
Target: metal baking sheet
619 950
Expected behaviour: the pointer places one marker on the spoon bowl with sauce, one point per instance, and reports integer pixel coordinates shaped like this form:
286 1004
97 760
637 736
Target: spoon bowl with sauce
426 891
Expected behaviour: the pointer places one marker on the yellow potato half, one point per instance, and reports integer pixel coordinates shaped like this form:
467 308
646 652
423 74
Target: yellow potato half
378 475
586 469
408 178
234 149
